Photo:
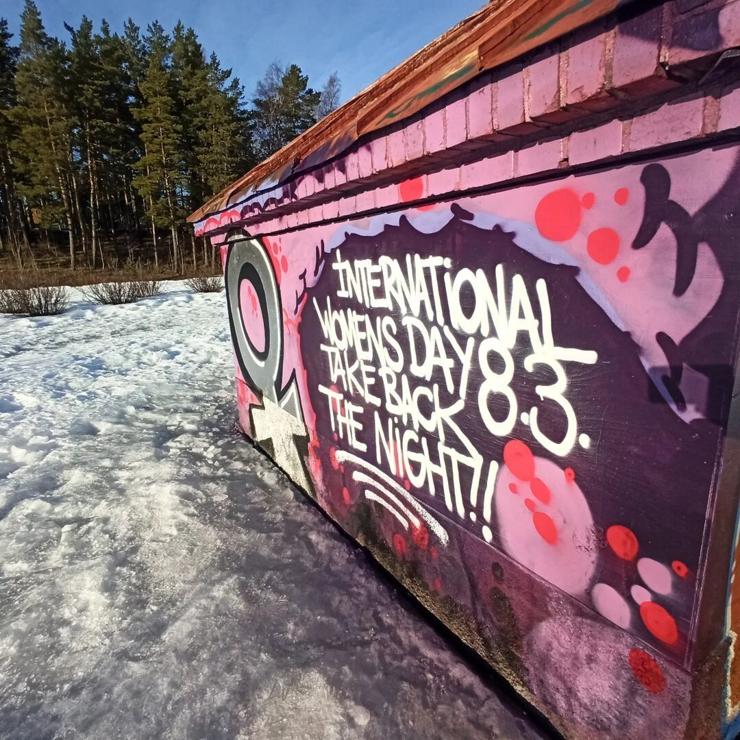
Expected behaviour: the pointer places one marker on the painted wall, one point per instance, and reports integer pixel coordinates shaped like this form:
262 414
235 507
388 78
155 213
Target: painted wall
517 401
497 344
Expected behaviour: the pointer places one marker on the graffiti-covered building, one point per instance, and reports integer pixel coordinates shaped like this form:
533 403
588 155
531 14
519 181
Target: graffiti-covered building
486 315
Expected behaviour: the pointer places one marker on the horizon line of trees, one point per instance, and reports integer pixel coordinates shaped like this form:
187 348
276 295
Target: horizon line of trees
108 141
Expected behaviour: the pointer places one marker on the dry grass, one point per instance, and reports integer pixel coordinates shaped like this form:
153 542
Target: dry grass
205 284
55 275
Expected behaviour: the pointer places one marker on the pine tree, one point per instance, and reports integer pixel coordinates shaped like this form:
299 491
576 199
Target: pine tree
222 149
133 69
12 217
212 120
43 144
190 77
162 166
87 106
118 134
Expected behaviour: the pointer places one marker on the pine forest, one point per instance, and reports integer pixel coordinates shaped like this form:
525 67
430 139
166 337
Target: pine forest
110 138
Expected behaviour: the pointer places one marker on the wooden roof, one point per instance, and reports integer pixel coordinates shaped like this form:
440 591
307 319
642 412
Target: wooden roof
495 34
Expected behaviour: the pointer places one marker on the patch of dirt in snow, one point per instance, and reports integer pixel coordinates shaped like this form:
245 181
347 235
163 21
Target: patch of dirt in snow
159 578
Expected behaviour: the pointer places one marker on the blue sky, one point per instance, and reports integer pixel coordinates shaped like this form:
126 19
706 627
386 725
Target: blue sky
360 40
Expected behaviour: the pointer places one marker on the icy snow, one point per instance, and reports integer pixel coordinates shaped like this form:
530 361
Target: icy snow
159 578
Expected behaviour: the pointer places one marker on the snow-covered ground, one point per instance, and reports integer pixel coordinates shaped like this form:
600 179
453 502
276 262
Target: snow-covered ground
159 578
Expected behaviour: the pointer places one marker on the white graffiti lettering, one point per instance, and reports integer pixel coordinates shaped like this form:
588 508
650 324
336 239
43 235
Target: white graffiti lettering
406 356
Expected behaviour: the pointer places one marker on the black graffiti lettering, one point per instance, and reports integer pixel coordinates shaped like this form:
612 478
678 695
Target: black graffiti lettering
660 209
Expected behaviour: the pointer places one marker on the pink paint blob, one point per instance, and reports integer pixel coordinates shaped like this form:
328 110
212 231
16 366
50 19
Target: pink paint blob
640 594
556 540
611 604
655 575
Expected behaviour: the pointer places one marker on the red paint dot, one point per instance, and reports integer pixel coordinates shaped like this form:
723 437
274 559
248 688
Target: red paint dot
540 490
680 568
399 545
558 215
646 670
519 459
513 488
437 584
545 527
588 200
420 536
530 504
570 474
407 484
346 497
659 622
603 245
411 189
623 274
621 196
622 541
433 552
284 263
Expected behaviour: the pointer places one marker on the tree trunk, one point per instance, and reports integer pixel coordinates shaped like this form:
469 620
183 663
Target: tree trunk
68 218
70 228
15 226
176 248
7 211
109 209
154 236
63 192
130 201
93 197
80 219
95 210
170 205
